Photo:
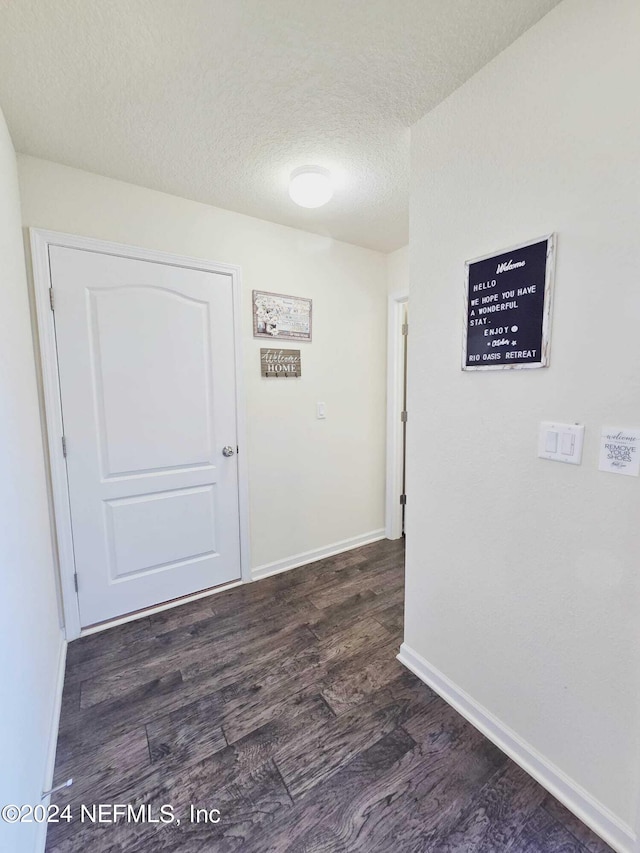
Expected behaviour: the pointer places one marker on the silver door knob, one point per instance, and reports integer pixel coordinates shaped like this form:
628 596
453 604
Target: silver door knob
228 450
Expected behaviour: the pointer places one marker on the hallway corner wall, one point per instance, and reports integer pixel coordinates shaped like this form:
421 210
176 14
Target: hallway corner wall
31 643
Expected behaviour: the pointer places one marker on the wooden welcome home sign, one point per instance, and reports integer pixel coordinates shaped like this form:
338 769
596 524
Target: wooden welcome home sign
280 363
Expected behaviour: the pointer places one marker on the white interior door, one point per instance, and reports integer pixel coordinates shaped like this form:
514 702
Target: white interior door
147 379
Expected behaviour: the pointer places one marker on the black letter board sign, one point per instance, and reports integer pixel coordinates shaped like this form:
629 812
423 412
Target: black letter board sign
508 308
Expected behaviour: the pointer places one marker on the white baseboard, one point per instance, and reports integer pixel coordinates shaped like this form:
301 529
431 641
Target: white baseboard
317 554
53 738
617 834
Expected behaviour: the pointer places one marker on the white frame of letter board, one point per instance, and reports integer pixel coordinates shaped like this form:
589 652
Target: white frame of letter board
546 310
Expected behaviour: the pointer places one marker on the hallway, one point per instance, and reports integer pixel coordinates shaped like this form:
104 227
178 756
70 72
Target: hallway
281 704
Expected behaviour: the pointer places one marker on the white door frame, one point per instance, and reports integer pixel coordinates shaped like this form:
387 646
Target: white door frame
395 379
40 242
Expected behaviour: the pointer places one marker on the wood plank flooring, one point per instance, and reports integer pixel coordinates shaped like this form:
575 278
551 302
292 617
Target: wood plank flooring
281 704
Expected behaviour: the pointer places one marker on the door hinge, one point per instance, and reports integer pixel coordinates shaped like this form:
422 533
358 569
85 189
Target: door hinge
405 329
75 580
51 299
64 447
404 417
403 500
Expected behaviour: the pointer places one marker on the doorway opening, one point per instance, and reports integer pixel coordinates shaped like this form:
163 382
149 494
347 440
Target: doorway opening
397 415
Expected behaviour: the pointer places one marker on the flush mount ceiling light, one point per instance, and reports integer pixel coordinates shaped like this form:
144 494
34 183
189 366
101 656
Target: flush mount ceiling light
310 186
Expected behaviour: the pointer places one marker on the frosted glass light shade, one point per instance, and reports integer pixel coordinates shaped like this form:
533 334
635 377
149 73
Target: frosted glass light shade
310 186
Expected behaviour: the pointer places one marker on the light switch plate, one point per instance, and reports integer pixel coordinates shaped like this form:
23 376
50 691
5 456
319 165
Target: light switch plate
561 442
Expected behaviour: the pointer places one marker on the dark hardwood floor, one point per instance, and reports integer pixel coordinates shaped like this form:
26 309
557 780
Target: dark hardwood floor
281 704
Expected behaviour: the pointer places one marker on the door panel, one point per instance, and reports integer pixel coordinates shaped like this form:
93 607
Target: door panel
143 382
183 524
147 375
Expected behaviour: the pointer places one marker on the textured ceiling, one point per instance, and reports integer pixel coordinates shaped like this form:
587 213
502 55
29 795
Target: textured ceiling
218 100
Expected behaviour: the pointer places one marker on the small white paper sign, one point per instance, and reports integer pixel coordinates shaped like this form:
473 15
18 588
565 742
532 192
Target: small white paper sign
620 451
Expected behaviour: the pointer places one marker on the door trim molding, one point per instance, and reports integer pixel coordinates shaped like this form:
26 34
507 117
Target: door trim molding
40 241
393 513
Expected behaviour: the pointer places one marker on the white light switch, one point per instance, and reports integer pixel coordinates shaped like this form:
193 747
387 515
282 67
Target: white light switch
567 444
561 442
551 442
321 411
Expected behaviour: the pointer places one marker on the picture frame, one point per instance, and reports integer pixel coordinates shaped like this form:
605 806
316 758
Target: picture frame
279 317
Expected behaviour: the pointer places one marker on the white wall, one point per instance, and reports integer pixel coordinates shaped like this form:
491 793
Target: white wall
312 483
398 270
523 586
30 638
